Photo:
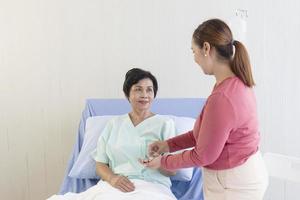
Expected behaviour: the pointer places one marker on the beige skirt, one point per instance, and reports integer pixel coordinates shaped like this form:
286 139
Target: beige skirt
246 182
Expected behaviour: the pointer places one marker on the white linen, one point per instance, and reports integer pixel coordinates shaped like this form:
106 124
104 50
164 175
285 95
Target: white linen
104 191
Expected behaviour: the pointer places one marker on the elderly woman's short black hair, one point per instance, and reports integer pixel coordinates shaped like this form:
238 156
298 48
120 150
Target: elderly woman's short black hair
133 76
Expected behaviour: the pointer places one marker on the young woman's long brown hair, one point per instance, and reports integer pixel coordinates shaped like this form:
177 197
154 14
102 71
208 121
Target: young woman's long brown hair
218 34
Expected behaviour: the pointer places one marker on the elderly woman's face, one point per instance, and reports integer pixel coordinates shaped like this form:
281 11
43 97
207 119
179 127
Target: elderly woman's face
141 95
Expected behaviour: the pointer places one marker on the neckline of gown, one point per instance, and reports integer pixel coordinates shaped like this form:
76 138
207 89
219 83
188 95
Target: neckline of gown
142 122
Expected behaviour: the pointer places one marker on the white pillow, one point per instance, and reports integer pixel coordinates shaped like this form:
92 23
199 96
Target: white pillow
183 125
85 166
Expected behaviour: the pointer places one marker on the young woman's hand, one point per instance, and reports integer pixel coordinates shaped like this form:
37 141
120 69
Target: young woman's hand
122 183
153 163
157 148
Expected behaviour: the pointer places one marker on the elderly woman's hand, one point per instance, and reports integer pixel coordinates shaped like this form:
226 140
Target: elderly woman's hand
158 148
121 182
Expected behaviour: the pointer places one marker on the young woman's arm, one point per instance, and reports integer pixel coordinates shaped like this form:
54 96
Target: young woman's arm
167 172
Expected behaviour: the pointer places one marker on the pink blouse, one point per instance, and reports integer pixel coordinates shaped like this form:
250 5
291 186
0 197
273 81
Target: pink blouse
225 134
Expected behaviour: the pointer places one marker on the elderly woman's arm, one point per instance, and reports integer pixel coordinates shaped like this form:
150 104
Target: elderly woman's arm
120 182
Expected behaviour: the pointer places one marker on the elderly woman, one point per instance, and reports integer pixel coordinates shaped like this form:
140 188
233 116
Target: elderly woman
123 144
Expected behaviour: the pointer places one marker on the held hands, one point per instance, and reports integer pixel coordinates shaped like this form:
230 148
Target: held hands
155 151
152 162
158 148
121 182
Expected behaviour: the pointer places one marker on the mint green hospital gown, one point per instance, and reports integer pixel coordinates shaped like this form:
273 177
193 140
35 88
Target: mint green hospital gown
121 144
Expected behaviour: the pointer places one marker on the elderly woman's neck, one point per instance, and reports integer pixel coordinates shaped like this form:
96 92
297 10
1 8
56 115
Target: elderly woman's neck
139 116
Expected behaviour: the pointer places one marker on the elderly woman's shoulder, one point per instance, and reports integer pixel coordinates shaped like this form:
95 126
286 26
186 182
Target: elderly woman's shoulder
165 118
117 118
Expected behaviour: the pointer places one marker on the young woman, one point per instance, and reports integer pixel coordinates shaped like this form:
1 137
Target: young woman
226 134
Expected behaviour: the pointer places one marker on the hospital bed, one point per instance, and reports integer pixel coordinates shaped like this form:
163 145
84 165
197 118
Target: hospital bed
74 181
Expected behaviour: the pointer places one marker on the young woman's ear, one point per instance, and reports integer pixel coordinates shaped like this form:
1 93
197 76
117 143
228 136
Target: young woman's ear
206 48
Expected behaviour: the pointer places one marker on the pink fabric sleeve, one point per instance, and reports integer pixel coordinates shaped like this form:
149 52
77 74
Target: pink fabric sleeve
218 120
182 141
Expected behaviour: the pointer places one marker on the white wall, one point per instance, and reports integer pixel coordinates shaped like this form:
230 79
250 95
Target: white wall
279 90
55 54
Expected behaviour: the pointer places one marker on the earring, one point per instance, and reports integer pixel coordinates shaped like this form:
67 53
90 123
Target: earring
205 55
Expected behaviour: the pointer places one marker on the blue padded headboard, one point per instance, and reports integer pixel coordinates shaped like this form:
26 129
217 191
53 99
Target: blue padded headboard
189 107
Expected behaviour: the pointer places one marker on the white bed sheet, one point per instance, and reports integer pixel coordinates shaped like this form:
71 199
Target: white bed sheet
104 191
